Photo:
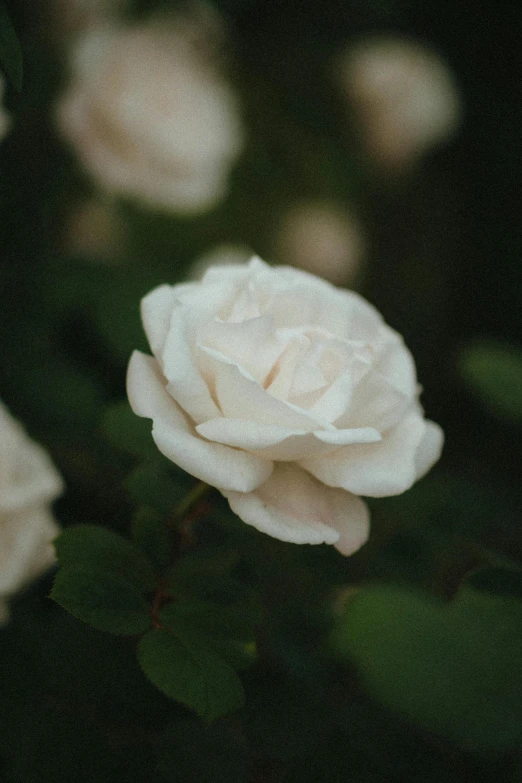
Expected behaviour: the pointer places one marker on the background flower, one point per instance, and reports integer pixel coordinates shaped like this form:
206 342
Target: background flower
404 96
151 116
28 485
288 395
323 239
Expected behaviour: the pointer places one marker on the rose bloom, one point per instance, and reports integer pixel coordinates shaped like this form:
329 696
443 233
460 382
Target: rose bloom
404 96
290 396
151 117
323 239
28 484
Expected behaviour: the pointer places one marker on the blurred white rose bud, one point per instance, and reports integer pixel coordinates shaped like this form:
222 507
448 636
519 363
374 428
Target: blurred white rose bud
4 116
28 484
93 230
403 95
150 115
322 239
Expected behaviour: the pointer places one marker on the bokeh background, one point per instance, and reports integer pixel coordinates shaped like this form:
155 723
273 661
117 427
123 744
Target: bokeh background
404 662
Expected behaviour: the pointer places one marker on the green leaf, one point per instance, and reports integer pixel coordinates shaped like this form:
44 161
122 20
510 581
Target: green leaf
97 547
221 590
196 677
208 562
155 485
226 630
150 533
10 51
191 751
494 372
454 668
101 600
128 432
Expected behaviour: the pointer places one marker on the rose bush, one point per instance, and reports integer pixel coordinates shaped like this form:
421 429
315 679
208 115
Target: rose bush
151 116
28 484
290 396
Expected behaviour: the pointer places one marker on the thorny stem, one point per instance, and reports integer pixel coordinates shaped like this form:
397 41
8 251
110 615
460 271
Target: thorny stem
181 520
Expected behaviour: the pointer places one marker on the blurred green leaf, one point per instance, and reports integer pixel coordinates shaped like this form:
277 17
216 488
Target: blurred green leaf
226 630
101 600
95 546
498 581
10 52
197 677
282 719
150 533
128 432
155 485
455 668
494 372
191 751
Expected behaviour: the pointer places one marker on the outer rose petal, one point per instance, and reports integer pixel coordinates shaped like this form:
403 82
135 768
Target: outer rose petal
354 528
378 469
281 443
217 465
294 507
156 311
429 449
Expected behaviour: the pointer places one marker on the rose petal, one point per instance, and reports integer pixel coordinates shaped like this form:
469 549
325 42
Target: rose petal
156 311
185 382
241 396
26 546
291 506
378 469
429 449
280 443
354 526
217 465
252 344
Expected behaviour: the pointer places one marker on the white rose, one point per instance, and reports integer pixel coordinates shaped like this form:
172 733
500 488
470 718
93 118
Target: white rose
290 396
404 95
151 117
28 484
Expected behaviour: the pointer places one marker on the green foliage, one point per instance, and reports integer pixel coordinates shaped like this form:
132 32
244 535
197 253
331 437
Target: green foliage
149 532
128 432
10 52
92 546
225 630
191 751
156 485
195 676
101 600
283 720
455 668
494 371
